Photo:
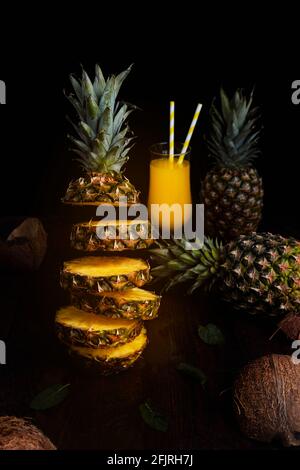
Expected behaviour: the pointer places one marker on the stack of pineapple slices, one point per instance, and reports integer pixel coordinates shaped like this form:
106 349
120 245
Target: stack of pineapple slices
103 325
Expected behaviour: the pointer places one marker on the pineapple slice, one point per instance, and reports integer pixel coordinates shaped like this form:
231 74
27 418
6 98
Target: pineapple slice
76 327
131 304
98 274
118 235
109 360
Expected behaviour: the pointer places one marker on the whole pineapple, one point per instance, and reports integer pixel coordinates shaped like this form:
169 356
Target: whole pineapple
103 141
232 191
257 272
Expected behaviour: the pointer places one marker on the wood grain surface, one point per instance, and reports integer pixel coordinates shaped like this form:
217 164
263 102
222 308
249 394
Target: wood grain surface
103 412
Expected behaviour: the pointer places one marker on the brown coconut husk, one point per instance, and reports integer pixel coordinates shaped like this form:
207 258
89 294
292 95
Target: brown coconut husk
20 434
290 325
267 400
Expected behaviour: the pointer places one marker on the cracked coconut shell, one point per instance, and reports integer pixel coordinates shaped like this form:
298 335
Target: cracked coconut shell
20 434
267 400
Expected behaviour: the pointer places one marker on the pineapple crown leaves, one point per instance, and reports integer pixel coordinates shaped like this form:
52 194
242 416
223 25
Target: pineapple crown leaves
234 130
178 263
103 138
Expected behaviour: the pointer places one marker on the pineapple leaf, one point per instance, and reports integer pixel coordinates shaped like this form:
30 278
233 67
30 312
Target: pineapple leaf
101 141
176 250
126 151
92 108
99 149
120 118
199 283
76 104
77 88
113 154
99 82
177 263
181 278
120 136
108 97
87 130
187 259
82 155
79 144
160 254
78 130
83 160
106 126
120 79
233 139
226 111
87 86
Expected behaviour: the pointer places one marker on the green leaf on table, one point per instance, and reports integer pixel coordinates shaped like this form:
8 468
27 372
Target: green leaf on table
211 334
50 397
152 417
192 371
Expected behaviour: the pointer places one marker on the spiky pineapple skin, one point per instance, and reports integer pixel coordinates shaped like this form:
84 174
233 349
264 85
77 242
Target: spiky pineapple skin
232 191
109 366
261 273
101 284
110 307
101 188
84 237
136 278
74 336
233 201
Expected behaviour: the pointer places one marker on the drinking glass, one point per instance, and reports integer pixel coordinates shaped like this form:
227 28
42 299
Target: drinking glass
170 186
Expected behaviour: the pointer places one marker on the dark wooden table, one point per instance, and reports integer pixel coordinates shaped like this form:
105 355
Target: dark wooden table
103 412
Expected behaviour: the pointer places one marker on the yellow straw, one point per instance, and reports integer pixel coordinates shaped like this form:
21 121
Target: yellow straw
172 123
189 134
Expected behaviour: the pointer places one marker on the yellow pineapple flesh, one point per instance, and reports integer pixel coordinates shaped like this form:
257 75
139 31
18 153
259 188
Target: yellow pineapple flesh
76 327
131 303
111 360
99 274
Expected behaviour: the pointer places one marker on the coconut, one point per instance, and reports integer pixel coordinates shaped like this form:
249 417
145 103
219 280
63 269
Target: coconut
290 325
20 434
267 400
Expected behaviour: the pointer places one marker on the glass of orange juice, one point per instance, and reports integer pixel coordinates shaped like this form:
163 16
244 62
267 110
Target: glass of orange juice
170 187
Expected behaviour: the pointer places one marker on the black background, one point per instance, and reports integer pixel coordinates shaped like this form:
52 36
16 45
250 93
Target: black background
36 165
172 61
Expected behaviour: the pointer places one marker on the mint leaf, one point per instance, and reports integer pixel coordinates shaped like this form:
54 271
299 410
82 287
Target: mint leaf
153 418
50 397
192 371
211 334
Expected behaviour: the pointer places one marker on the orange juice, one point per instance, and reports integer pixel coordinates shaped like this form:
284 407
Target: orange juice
169 185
